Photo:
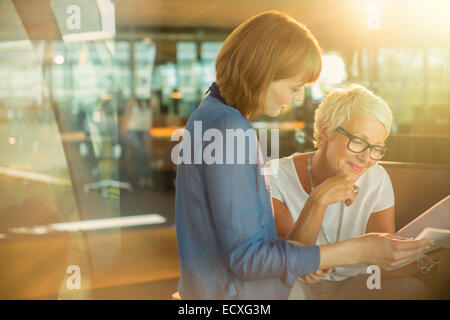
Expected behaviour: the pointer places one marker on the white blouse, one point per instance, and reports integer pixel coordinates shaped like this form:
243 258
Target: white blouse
375 194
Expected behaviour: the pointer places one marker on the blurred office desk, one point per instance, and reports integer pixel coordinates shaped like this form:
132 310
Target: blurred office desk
417 187
147 268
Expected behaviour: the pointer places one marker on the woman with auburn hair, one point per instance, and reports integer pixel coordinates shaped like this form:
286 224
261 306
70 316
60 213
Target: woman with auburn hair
339 192
227 239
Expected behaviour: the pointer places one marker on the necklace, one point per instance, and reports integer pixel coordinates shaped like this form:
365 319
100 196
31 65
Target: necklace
341 213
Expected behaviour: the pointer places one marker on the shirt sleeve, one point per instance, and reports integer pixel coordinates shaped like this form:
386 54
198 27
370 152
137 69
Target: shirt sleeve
385 197
237 210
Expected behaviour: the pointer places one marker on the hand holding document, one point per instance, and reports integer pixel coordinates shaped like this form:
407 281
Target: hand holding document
438 216
441 237
433 223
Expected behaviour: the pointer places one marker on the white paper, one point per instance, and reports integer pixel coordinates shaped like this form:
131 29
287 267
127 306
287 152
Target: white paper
438 216
441 237
433 223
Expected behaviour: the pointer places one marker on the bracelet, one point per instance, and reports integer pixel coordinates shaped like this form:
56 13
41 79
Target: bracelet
420 264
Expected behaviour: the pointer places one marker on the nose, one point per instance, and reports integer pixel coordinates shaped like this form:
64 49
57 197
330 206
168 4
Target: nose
365 156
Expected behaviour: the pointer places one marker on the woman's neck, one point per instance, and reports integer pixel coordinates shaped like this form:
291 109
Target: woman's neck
320 168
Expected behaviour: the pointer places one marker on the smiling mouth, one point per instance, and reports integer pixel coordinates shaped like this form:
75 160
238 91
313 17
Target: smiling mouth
355 167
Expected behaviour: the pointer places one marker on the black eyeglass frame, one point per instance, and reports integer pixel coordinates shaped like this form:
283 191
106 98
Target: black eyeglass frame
369 146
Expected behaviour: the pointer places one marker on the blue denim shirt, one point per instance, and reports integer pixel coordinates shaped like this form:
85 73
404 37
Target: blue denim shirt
227 239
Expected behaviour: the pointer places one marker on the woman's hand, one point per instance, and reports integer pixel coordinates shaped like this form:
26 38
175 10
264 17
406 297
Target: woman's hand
382 249
440 254
388 251
335 189
315 276
307 226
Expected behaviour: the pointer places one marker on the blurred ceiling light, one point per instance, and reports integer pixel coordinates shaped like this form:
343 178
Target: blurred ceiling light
94 224
176 95
88 36
12 140
283 125
15 45
174 132
333 70
58 59
106 96
34 176
147 40
373 21
73 136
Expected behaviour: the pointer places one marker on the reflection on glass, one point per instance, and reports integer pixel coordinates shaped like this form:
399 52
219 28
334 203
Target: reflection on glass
59 143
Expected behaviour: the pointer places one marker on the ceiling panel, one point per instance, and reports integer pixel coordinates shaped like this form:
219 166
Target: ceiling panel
334 22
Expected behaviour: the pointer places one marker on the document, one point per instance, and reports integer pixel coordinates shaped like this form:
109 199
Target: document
433 223
441 237
438 216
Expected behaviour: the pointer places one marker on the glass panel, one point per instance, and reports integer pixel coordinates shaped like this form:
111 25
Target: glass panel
37 187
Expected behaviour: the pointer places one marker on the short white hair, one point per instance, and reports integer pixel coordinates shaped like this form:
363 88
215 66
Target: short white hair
338 106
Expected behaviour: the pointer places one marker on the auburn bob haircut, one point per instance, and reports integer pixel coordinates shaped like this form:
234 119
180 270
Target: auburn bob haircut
267 47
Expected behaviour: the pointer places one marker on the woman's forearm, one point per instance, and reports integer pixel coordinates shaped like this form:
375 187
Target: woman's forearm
306 228
381 249
340 253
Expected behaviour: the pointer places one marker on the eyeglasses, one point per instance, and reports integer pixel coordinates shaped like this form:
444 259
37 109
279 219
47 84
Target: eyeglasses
359 145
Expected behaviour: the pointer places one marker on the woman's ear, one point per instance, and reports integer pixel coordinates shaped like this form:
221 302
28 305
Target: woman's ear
323 132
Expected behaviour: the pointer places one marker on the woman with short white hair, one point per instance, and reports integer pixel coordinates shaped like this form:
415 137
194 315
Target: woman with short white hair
339 192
